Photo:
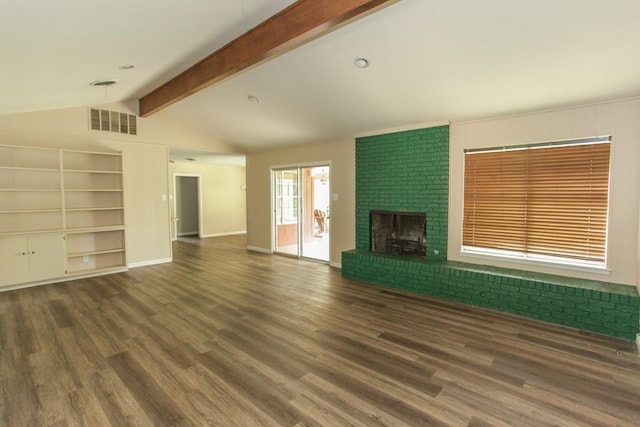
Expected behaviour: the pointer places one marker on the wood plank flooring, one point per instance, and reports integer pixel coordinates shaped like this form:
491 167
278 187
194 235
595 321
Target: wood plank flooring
225 337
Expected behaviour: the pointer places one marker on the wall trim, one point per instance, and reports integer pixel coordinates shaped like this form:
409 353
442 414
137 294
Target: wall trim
257 249
149 262
404 128
230 233
334 264
62 279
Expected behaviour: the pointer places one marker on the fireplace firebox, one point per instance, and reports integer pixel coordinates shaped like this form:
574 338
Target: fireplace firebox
398 232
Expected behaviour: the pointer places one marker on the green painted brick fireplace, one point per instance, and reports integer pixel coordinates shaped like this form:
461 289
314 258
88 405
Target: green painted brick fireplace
409 171
405 171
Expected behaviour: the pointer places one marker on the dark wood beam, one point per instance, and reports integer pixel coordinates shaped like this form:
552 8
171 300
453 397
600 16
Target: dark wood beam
300 23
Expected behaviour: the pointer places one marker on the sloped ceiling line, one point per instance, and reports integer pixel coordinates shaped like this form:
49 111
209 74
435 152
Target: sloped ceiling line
300 23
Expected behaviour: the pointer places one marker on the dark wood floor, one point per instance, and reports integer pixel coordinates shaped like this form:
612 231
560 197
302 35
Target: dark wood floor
224 337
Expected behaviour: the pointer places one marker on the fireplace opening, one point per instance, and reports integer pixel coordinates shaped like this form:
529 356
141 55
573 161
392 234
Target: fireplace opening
398 232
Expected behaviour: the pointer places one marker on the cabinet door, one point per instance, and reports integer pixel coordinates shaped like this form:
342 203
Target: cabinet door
47 257
14 261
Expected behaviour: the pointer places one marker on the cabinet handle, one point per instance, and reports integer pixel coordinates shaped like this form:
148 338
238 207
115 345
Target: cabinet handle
23 253
33 252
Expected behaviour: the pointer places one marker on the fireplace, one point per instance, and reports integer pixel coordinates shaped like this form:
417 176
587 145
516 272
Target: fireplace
398 232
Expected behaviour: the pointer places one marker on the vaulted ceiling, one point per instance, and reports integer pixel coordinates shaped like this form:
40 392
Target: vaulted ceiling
429 60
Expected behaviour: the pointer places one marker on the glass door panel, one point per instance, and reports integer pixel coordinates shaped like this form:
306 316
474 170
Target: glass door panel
315 243
286 205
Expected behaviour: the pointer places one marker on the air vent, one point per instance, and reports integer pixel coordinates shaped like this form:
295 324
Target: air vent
113 121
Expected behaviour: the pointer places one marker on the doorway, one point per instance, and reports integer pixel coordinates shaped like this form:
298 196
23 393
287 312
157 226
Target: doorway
187 205
301 219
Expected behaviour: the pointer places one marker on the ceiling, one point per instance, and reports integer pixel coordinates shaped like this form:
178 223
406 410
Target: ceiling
183 155
430 60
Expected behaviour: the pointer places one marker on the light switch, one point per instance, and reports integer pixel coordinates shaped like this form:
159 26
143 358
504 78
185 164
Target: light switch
334 196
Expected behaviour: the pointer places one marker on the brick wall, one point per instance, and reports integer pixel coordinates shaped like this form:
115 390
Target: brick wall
600 307
409 171
405 171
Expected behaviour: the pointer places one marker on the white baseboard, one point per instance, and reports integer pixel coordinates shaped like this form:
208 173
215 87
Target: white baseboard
230 233
337 265
149 262
257 249
638 342
188 233
63 279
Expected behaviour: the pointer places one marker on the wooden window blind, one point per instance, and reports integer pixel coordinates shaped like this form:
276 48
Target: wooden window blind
549 201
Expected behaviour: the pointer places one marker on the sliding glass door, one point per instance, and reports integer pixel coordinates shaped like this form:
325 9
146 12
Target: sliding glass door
301 214
286 214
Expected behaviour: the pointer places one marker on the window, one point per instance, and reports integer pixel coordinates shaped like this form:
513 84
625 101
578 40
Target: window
544 202
286 197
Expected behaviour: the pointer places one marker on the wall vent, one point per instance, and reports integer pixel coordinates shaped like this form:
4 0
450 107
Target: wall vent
113 121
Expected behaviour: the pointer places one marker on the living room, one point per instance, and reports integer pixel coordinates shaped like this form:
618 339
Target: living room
473 89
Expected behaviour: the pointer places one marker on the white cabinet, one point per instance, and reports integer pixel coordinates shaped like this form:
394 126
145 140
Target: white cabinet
32 258
14 263
78 195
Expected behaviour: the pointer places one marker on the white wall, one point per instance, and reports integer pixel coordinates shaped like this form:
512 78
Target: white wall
619 119
145 164
224 203
341 156
147 177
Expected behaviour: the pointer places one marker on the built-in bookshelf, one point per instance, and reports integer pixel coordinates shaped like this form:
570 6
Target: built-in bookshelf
72 194
94 211
30 190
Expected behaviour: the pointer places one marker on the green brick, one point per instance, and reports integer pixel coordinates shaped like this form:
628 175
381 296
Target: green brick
409 171
391 167
499 290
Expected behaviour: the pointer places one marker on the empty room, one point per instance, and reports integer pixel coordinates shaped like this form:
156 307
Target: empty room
320 213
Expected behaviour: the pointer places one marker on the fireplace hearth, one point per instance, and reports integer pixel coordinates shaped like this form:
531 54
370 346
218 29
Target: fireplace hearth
398 232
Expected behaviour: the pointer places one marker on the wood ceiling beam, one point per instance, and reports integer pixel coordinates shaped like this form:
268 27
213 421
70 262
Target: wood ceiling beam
299 23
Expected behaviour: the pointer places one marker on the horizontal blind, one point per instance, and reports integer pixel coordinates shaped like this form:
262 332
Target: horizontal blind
546 201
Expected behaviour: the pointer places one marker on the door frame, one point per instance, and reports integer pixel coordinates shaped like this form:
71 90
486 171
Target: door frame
174 222
272 223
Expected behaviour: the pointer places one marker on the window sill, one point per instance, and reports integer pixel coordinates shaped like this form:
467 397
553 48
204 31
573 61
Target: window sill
532 262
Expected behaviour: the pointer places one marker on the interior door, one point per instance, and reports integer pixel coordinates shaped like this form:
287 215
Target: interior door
187 205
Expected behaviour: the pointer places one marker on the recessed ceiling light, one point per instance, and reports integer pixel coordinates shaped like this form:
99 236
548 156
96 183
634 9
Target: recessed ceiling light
103 82
126 66
253 99
361 62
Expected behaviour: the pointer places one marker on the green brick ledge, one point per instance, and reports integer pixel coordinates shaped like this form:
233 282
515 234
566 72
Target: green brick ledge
600 307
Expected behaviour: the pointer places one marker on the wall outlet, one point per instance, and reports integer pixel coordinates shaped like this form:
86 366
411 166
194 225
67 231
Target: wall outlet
85 258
